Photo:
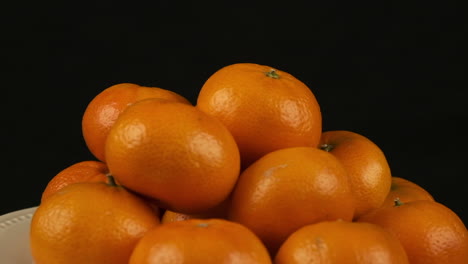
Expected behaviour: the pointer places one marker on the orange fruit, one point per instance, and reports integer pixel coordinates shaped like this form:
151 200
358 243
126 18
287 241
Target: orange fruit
406 191
429 231
290 188
367 166
89 223
200 241
84 171
265 109
336 242
171 216
173 153
220 212
102 111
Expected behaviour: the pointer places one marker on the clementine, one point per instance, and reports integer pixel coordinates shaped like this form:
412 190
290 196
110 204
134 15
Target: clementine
102 111
290 188
200 241
265 108
367 166
175 154
337 242
406 191
89 223
84 171
429 231
219 212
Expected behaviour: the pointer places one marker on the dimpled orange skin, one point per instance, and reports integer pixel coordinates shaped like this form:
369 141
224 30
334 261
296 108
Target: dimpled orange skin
200 241
84 171
430 232
406 191
289 188
105 108
89 223
337 242
264 113
174 153
367 166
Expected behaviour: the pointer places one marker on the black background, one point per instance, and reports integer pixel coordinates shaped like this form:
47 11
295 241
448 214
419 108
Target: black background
390 72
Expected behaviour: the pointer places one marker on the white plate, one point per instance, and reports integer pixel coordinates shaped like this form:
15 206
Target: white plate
14 237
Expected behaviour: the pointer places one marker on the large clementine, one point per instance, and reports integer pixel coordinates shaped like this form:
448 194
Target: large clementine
430 232
367 166
89 223
102 111
337 242
200 241
175 154
264 108
405 191
83 171
289 188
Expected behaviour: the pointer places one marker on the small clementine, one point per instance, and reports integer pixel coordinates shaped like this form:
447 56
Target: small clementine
219 212
430 232
84 171
102 111
406 191
367 166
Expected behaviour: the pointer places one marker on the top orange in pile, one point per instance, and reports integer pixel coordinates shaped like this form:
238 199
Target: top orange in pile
265 109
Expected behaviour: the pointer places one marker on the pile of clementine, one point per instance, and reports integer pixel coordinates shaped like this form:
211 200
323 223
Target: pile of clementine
246 175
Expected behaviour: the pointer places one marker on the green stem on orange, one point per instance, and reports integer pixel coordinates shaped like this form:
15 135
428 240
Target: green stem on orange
273 74
111 180
327 147
397 202
202 225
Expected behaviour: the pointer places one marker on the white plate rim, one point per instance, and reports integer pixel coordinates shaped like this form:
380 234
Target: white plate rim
14 238
11 219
